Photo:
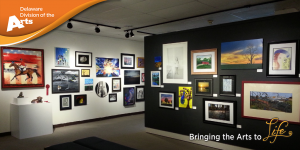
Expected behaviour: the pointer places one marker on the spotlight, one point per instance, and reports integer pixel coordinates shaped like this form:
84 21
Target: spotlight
127 34
97 30
131 34
70 26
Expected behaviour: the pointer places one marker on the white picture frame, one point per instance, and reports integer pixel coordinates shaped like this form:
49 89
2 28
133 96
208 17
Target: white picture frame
155 79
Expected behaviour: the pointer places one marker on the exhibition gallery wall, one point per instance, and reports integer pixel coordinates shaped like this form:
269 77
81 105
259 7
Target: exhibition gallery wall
227 79
75 87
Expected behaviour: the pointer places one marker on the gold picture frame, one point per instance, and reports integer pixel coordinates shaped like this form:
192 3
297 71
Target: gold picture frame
204 61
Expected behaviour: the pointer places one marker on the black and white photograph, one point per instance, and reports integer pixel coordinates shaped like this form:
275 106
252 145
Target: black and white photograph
65 102
65 81
112 97
140 92
131 77
102 89
83 59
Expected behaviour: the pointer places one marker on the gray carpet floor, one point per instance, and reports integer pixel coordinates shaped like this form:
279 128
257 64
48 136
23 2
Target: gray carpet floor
128 131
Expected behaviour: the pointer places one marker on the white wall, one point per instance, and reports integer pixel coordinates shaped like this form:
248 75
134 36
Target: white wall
96 107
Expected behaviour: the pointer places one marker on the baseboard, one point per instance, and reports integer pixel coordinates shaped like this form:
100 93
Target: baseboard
5 134
186 138
96 119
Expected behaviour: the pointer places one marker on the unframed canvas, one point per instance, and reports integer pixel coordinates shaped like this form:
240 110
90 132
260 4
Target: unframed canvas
107 67
62 57
185 97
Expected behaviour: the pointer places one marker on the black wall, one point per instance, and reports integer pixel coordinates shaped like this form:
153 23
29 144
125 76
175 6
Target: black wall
186 121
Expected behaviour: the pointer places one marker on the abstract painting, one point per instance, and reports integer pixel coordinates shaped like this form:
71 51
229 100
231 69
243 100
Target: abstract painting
127 61
227 85
155 78
65 102
102 89
112 97
167 99
62 57
129 96
131 77
80 100
140 62
85 72
22 67
245 54
83 59
116 85
88 84
140 92
65 81
185 97
204 61
107 67
157 61
203 87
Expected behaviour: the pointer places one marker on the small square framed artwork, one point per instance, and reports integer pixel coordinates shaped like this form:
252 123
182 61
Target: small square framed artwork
85 72
65 102
83 59
140 92
113 97
127 61
80 100
140 62
167 100
116 84
203 87
227 85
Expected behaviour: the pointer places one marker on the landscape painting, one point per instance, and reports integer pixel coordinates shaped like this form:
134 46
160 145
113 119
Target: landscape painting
132 77
203 87
166 100
65 81
185 97
219 111
271 101
88 84
155 78
203 61
107 67
62 57
245 54
129 96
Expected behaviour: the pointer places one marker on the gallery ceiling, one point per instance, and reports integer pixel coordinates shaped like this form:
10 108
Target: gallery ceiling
128 14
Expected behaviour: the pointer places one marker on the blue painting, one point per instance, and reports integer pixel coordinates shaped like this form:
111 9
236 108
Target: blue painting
107 67
157 61
62 57
129 96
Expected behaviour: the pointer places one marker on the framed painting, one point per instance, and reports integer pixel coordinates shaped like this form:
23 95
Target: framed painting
113 97
203 87
80 100
102 89
83 59
107 67
227 85
155 78
220 112
131 77
140 62
140 92
85 72
204 61
143 77
157 61
127 61
185 97
283 59
128 96
65 102
116 84
247 54
167 100
266 100
22 67
175 63
88 84
65 81
62 57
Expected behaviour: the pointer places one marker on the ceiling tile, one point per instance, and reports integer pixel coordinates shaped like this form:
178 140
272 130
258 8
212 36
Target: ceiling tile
116 14
96 9
122 3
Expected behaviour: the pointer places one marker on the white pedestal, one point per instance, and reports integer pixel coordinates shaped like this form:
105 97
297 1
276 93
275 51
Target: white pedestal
21 101
31 120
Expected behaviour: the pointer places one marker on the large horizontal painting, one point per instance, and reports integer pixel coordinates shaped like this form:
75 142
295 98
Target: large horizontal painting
65 81
107 67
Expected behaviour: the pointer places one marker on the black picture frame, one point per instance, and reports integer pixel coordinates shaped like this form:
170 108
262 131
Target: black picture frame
127 61
213 117
293 64
132 77
113 97
86 55
84 74
114 85
80 100
205 89
65 81
129 93
65 102
140 94
227 90
161 99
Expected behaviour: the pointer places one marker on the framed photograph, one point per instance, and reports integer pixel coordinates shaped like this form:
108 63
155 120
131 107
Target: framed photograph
227 85
65 81
185 97
175 63
155 78
203 87
140 62
220 112
62 57
65 102
22 67
102 89
140 92
129 96
116 84
266 100
112 97
157 61
204 61
85 72
83 59
167 100
131 77
127 61
107 67
143 77
80 100
283 60
88 84
247 54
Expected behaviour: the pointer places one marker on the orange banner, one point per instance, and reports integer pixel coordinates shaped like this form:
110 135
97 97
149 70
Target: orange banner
23 20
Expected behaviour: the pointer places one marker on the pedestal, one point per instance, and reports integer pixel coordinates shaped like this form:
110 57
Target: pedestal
21 101
31 120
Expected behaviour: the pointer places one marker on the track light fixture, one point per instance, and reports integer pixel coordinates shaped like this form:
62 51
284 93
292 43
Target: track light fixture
97 30
131 34
127 34
69 25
